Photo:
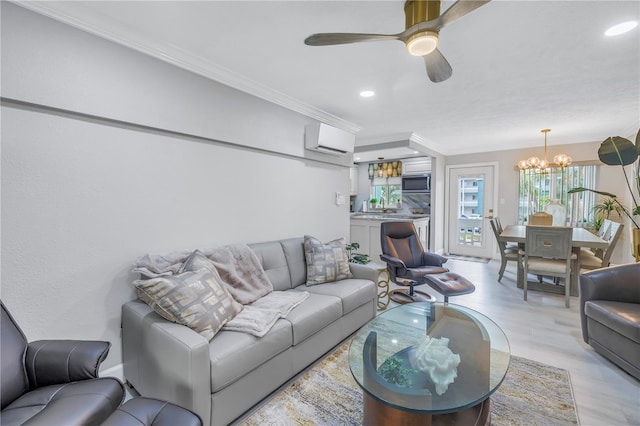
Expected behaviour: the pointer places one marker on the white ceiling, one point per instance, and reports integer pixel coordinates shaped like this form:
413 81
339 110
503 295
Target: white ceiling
518 66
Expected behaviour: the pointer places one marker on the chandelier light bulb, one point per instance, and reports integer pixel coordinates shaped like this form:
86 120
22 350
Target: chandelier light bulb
563 160
533 161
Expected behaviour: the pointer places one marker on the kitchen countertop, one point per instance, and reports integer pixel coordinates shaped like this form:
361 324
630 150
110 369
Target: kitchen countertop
387 216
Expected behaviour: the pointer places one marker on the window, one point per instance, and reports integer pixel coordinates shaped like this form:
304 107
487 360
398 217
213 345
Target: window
389 190
539 190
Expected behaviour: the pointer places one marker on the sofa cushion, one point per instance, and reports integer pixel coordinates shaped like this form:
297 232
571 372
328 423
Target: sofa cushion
326 262
84 402
314 314
233 354
294 252
352 292
274 263
621 317
197 299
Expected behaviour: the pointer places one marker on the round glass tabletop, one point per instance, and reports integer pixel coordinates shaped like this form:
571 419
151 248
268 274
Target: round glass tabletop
429 357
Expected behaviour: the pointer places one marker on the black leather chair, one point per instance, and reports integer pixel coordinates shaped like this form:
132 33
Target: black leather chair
406 259
55 382
610 314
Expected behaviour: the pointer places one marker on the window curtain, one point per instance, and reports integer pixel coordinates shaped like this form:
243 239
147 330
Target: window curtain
538 191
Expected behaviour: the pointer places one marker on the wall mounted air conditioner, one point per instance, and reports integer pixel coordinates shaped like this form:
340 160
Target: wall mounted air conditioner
327 139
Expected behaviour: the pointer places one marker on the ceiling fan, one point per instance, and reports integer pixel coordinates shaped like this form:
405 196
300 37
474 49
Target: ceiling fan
423 25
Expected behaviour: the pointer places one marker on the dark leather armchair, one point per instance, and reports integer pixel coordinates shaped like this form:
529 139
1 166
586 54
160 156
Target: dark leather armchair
406 258
610 314
54 382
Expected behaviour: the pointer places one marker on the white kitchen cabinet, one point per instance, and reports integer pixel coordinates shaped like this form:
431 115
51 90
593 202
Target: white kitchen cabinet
416 167
353 178
422 227
366 232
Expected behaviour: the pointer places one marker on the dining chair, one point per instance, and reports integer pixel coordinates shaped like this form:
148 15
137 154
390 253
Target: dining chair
602 258
547 251
603 232
507 253
541 218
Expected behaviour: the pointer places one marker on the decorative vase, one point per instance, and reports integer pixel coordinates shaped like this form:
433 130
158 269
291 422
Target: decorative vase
635 239
558 211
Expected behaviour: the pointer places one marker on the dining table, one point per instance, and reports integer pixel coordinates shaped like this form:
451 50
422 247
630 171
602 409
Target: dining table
581 238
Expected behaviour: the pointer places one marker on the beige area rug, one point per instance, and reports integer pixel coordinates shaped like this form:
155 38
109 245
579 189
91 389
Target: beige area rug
532 393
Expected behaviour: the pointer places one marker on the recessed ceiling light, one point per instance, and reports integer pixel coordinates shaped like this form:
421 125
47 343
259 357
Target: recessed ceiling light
621 28
367 93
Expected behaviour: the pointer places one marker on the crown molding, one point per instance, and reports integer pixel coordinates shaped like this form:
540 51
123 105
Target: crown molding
193 63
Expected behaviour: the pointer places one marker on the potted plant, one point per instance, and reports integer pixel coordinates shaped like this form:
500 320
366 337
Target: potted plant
373 201
603 210
360 258
618 151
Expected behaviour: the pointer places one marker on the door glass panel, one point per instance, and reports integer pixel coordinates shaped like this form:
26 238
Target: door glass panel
470 208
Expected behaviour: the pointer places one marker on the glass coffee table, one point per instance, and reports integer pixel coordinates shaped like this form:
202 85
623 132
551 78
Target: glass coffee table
429 363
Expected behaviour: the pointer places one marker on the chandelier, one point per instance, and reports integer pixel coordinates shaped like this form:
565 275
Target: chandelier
560 160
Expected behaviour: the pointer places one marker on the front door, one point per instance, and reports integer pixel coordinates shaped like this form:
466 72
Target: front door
470 205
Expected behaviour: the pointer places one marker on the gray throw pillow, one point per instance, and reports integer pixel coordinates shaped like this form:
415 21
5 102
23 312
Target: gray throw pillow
326 262
196 299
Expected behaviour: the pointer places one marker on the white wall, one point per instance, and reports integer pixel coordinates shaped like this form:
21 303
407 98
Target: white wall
83 196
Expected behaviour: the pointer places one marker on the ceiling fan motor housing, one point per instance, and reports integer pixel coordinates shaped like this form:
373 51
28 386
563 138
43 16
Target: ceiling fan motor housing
416 11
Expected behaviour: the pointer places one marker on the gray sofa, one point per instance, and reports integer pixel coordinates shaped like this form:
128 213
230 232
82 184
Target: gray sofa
610 314
221 379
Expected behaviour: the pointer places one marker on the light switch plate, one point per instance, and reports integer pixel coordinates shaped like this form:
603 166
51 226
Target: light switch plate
339 199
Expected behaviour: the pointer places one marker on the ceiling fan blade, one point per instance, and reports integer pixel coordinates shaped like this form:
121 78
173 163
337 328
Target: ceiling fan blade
459 9
327 39
438 67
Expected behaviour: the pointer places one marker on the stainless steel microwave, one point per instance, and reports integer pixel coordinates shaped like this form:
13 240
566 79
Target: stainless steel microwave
416 183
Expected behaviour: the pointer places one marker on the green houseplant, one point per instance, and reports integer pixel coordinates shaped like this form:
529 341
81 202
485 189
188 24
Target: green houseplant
618 151
604 209
354 257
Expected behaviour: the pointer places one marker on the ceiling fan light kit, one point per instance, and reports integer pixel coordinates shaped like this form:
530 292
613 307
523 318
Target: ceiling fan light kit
423 23
422 43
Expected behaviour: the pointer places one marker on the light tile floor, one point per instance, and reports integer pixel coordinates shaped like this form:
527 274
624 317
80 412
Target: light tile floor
544 330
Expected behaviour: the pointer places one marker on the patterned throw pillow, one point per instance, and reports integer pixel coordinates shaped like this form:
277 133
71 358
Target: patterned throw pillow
196 261
326 262
195 299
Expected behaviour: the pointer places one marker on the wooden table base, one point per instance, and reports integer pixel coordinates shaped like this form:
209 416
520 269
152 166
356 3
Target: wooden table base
379 413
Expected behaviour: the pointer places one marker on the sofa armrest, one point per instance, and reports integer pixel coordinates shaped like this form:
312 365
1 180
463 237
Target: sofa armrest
364 272
165 360
52 362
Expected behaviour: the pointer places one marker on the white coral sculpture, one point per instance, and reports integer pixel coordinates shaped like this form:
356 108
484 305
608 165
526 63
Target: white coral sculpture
434 357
